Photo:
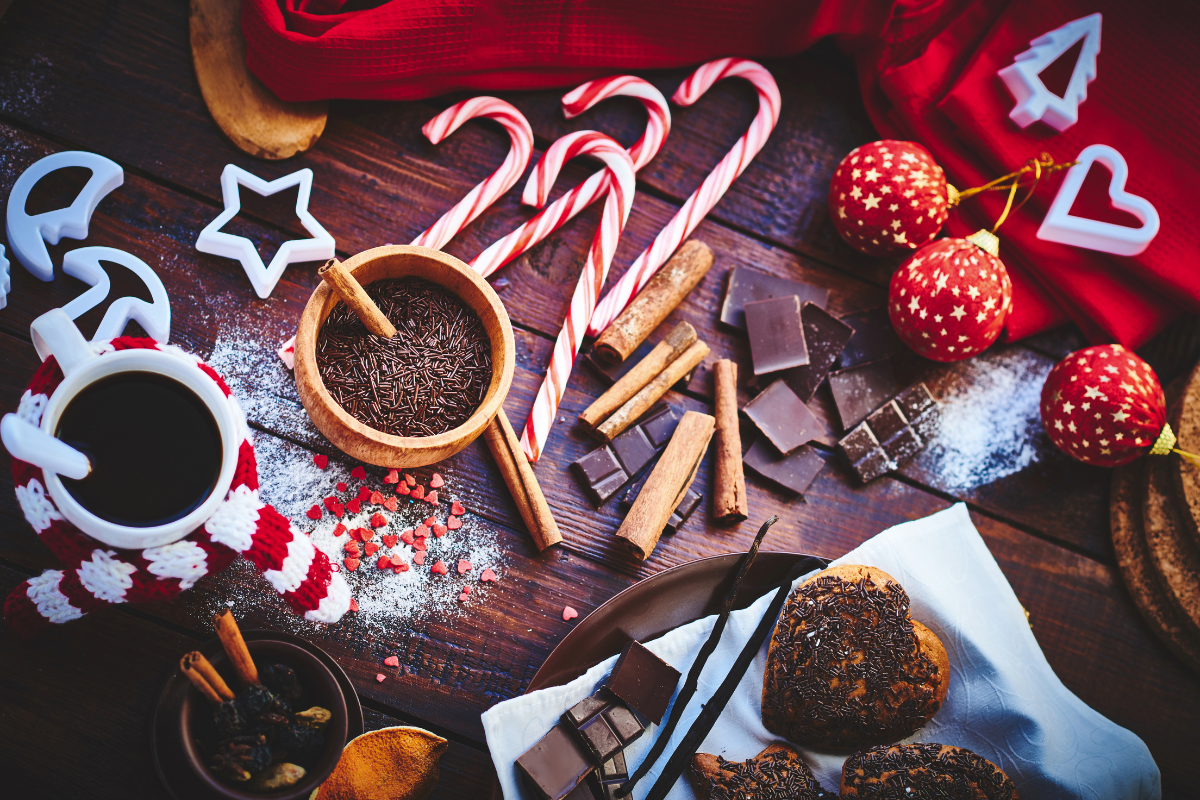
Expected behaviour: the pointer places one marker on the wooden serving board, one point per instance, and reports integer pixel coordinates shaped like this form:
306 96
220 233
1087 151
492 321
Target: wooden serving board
1184 417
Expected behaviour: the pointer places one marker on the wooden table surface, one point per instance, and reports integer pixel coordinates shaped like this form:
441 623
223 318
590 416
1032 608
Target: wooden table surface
117 79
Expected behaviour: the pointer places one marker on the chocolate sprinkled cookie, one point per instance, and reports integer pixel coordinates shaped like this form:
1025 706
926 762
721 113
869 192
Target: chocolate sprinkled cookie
907 771
848 666
777 772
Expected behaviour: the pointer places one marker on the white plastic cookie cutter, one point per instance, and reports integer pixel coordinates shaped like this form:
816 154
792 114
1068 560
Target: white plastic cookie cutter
262 277
1060 226
1022 77
28 235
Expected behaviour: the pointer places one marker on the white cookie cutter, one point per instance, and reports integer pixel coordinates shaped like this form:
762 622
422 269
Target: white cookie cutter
1060 226
263 278
84 264
27 236
1022 77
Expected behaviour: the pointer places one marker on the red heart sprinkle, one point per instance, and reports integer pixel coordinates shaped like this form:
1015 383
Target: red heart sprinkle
330 502
354 506
393 476
380 677
314 512
569 613
419 558
391 504
456 509
358 472
410 480
389 539
378 520
422 532
351 564
407 537
453 523
339 530
352 548
401 568
417 492
341 487
321 461
462 598
365 534
364 492
466 590
384 563
397 561
488 575
440 530
353 604
418 544
402 490
371 548
339 511
436 481
392 661
464 566
376 498
432 498
439 568
429 522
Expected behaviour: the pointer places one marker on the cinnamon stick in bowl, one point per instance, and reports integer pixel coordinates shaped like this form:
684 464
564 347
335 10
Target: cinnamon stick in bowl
235 647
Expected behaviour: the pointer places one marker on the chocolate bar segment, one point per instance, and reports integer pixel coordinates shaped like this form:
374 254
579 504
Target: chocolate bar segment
783 418
623 723
873 339
794 472
861 389
643 681
556 765
892 434
826 336
776 335
603 724
602 472
689 503
748 285
599 738
586 708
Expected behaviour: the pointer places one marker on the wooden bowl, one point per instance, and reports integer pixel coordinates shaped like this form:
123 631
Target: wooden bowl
320 689
362 442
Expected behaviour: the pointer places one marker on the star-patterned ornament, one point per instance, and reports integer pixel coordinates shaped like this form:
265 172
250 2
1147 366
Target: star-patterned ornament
949 300
888 197
1104 406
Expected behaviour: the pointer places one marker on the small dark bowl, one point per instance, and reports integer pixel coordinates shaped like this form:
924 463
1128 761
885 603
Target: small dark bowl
320 689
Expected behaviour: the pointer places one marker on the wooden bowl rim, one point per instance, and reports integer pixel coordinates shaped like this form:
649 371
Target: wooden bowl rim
306 353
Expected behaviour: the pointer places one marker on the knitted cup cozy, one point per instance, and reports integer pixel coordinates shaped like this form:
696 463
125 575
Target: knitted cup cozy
96 574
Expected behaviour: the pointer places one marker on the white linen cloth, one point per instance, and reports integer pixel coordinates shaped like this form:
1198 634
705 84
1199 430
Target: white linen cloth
1004 702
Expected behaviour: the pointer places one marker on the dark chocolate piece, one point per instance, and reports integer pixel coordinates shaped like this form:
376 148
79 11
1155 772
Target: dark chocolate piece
776 335
689 503
599 738
623 723
887 420
858 444
748 285
861 389
586 708
701 382
611 373
590 789
614 768
794 471
921 410
643 681
903 446
873 338
554 766
891 435
825 336
783 418
603 472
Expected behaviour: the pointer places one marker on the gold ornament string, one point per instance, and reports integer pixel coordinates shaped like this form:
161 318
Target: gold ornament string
1012 182
1166 444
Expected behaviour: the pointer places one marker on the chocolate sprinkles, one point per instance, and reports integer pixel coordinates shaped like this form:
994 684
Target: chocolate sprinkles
925 769
427 379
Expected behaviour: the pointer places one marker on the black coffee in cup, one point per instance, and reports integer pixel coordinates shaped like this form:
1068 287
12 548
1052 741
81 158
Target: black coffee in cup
154 447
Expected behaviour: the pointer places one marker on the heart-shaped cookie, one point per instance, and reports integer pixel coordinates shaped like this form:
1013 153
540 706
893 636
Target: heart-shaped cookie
777 771
848 666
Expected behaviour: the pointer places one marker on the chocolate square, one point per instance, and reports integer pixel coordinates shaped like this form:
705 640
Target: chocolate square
825 336
599 738
596 465
555 765
886 421
585 709
614 768
793 472
915 401
861 389
643 681
606 469
903 446
927 424
685 509
748 285
857 444
876 463
623 723
873 338
776 335
659 425
634 449
601 492
783 418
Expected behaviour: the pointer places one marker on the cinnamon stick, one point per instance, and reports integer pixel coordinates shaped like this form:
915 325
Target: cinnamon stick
666 351
235 647
197 679
354 296
658 299
670 478
522 484
649 394
729 490
205 668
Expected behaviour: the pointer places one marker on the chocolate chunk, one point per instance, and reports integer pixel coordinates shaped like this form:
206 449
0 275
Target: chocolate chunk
886 421
783 418
600 474
623 723
586 708
701 382
776 335
689 503
861 389
794 471
556 765
873 338
660 424
643 681
611 373
872 465
599 738
634 449
903 446
748 285
825 336
590 789
902 435
858 444
614 768
606 469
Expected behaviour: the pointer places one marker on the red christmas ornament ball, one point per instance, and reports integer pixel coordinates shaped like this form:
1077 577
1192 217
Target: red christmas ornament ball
1103 405
949 300
888 197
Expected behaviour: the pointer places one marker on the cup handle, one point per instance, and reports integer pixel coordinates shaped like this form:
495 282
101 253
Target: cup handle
27 442
54 333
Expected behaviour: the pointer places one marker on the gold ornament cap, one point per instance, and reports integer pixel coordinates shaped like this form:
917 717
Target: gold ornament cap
986 241
952 195
1166 442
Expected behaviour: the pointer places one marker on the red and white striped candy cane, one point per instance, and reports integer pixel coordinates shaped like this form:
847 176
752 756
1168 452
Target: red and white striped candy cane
496 184
576 102
714 186
595 270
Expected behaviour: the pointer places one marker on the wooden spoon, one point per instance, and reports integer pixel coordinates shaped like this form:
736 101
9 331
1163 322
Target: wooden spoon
248 112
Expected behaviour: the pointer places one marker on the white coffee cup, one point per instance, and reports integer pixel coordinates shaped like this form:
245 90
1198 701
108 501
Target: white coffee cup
55 333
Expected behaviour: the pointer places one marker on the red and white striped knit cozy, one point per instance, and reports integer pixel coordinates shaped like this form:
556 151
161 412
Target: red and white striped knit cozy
96 574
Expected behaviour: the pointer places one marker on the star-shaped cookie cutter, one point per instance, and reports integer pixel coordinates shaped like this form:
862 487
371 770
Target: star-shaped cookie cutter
264 277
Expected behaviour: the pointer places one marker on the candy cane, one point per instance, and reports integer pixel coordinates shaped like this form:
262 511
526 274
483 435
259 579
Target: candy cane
714 186
576 102
595 270
496 184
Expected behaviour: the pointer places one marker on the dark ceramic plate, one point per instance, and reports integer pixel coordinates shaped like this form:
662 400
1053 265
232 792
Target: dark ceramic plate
165 749
660 603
